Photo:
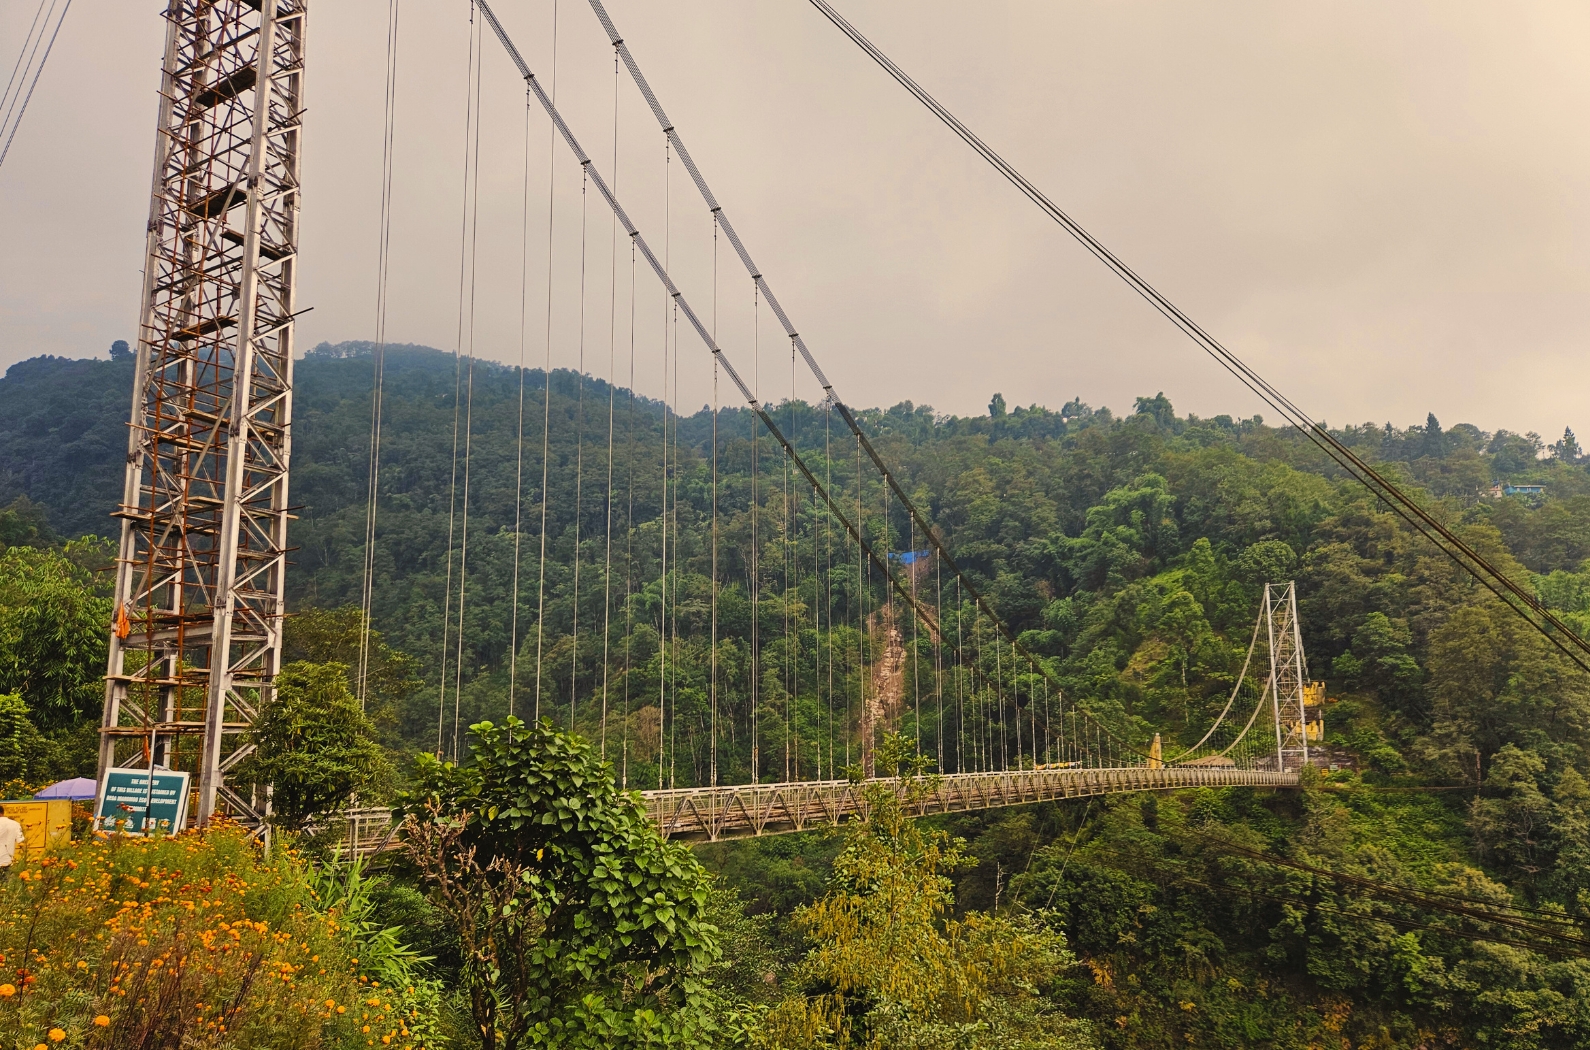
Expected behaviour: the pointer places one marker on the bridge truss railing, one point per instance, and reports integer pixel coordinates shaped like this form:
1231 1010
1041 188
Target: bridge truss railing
746 810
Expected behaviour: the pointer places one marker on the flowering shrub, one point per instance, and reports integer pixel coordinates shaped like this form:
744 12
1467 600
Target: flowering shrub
197 940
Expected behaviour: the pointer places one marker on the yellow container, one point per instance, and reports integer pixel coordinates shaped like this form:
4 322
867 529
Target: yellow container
46 824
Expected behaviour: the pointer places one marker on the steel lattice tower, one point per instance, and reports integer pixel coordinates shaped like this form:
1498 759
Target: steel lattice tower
1288 677
201 574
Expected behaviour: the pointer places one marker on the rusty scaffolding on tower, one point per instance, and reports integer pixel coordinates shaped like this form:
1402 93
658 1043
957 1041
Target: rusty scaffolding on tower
200 583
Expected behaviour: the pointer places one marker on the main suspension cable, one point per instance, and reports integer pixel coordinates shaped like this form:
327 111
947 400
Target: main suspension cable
15 113
1517 597
799 344
681 305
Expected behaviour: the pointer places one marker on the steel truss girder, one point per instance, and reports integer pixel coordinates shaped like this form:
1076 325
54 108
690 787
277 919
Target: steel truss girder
204 509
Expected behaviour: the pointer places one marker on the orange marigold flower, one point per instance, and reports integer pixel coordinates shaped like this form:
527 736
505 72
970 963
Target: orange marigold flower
56 1035
8 990
102 1021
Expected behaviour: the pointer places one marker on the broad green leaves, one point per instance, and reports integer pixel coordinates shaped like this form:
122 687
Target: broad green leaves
623 945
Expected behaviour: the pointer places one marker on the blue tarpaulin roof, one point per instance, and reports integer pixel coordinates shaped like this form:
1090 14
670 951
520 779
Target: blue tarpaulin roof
909 557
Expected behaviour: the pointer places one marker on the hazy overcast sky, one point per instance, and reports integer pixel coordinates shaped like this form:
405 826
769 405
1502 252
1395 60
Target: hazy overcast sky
1380 205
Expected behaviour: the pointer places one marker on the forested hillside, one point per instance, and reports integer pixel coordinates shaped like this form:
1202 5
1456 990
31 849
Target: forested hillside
1129 551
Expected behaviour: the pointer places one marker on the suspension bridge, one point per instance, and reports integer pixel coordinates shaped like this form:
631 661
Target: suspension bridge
861 621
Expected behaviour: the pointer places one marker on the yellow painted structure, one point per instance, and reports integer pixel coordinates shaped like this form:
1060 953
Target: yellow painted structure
47 825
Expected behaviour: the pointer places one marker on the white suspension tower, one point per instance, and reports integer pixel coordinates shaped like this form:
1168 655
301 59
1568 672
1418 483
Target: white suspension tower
200 581
1288 684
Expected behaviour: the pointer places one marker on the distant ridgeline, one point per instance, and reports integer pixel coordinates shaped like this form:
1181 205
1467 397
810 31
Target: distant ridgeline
1062 514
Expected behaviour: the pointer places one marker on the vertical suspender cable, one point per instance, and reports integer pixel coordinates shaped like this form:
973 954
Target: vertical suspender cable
938 657
756 553
579 463
458 371
863 632
788 520
916 677
469 396
891 483
673 581
960 678
680 303
612 383
546 379
712 674
629 520
662 624
828 578
378 358
518 460
792 584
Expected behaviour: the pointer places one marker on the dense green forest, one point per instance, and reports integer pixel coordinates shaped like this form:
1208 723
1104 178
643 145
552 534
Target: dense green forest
1128 551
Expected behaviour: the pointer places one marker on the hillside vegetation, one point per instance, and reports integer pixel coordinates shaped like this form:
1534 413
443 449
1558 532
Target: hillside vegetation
1129 551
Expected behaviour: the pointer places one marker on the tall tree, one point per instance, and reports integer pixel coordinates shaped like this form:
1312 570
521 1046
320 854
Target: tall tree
313 746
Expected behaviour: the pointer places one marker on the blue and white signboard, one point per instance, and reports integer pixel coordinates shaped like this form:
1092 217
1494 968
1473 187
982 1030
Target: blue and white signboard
135 803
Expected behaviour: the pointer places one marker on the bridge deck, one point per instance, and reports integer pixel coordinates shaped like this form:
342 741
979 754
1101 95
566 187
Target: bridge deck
744 810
